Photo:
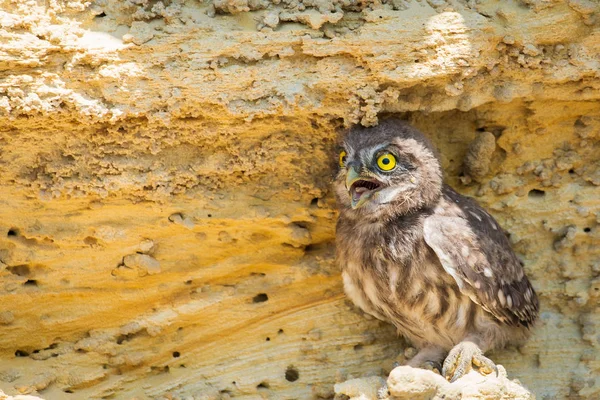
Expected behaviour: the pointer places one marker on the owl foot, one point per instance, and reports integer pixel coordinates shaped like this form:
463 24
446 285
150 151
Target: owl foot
429 358
460 359
433 366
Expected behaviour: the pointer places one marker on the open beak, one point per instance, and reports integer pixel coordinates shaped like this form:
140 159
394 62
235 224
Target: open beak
360 188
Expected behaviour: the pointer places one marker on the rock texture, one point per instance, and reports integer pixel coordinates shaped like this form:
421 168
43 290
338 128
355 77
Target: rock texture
166 220
406 383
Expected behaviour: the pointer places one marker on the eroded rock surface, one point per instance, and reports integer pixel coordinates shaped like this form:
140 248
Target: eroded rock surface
166 219
406 383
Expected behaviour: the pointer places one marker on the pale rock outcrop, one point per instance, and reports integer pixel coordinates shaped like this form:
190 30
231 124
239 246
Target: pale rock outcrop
406 383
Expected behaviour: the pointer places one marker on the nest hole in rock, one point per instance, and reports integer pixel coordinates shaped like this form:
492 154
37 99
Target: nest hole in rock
536 194
260 298
263 385
291 374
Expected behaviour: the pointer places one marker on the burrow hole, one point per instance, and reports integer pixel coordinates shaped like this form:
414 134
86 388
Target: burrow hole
291 374
260 298
263 385
21 353
536 194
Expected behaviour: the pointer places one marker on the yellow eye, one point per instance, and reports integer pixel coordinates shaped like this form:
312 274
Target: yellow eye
386 162
343 158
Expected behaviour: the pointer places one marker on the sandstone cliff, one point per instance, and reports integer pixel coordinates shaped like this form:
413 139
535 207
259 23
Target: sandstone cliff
166 219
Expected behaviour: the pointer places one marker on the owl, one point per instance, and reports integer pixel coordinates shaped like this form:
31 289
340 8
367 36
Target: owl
424 258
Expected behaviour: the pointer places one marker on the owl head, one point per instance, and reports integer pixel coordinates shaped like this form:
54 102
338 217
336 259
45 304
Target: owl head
387 170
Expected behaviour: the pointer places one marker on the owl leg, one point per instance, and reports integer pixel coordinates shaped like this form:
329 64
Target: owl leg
460 359
428 358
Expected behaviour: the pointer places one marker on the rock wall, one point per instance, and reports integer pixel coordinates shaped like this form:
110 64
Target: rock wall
166 219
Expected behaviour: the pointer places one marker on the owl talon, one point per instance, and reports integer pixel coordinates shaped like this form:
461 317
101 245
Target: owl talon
485 365
432 366
460 360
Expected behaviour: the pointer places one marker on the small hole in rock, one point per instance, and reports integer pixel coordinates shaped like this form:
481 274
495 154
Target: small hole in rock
209 215
571 171
21 353
188 282
536 193
301 224
13 232
263 385
101 15
260 298
30 282
19 270
358 347
311 247
90 241
587 230
176 354
291 374
280 332
68 391
268 339
314 202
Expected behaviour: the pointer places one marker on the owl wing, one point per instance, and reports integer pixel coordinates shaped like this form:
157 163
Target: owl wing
472 248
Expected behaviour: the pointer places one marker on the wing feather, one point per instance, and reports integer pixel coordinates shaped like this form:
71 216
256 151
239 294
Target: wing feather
475 252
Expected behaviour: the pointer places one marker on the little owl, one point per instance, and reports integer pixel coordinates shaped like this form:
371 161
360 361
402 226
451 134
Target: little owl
415 253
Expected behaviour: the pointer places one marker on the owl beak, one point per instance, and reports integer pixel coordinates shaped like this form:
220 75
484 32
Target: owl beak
359 187
351 177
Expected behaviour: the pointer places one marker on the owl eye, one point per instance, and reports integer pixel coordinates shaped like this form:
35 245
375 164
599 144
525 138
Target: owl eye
386 162
343 156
